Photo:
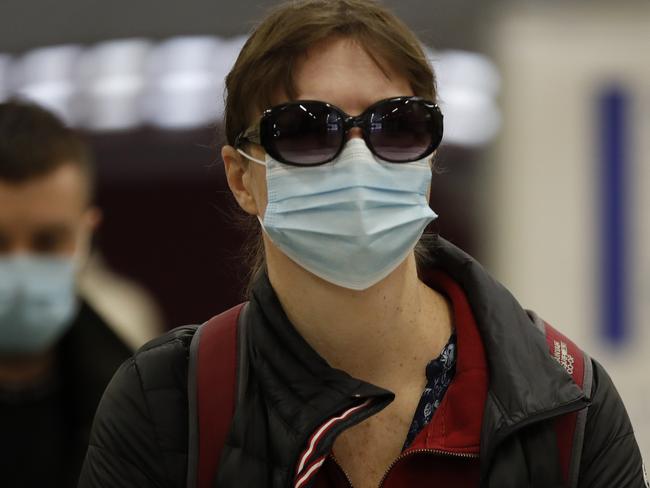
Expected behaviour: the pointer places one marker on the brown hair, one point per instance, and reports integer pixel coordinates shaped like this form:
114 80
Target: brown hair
34 142
265 64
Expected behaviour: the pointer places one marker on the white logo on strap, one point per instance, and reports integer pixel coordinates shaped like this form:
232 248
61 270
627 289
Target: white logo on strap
562 356
645 476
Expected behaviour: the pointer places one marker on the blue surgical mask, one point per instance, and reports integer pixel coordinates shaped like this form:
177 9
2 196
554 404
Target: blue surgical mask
351 221
37 302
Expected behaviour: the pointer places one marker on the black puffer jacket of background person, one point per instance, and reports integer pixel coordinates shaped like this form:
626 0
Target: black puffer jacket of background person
140 434
45 431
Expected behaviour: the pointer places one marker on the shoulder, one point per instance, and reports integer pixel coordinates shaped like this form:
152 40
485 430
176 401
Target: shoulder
158 366
143 416
169 351
611 455
161 362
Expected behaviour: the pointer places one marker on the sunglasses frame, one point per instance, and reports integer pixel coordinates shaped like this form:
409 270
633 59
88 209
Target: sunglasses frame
262 132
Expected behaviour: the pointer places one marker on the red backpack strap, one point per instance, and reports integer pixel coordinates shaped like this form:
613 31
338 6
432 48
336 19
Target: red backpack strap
212 378
569 428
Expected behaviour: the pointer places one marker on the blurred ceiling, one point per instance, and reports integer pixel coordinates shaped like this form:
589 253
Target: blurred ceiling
25 24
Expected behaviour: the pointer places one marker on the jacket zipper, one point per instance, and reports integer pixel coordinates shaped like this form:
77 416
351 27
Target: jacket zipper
353 420
347 476
437 452
570 407
402 456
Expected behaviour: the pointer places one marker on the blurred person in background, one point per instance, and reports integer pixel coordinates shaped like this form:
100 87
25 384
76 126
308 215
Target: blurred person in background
56 353
370 355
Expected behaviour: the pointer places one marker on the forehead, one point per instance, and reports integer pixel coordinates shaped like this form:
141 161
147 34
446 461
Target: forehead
59 196
340 71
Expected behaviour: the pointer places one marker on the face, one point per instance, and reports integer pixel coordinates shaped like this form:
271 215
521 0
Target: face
339 72
46 216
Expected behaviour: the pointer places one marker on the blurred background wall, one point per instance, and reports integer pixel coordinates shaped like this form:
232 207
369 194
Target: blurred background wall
545 162
569 198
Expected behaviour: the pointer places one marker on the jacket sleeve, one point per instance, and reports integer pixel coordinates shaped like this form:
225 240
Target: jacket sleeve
610 455
123 450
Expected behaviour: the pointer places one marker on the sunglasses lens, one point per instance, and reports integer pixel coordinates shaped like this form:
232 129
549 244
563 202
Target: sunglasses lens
307 133
405 130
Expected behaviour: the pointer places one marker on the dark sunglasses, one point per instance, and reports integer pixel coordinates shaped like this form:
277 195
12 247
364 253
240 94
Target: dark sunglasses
309 132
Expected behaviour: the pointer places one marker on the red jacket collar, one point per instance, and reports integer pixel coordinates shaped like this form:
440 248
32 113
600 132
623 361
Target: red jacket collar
456 425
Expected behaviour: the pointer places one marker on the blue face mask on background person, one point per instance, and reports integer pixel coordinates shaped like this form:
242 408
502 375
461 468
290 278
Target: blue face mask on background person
38 302
351 221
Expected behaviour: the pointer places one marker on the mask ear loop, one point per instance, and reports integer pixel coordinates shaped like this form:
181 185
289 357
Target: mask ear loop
248 156
258 161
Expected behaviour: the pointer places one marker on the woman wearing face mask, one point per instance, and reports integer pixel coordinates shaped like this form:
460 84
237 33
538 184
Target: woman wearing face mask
370 360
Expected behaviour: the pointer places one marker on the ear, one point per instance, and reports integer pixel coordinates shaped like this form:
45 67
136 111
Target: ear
90 221
239 176
93 217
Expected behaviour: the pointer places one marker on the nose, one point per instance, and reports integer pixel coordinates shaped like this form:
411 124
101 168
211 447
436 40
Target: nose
355 132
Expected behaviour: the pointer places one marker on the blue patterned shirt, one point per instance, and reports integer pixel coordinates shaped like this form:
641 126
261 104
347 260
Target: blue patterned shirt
440 371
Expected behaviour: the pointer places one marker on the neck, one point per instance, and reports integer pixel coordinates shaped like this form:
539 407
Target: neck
381 335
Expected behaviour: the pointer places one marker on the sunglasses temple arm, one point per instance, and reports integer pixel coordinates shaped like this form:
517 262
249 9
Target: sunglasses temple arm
249 135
